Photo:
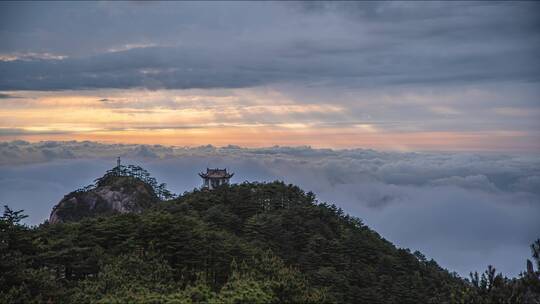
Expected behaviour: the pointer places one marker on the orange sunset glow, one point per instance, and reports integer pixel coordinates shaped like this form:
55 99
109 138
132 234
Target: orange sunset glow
255 117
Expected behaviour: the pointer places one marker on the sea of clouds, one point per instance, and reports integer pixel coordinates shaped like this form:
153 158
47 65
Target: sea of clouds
465 210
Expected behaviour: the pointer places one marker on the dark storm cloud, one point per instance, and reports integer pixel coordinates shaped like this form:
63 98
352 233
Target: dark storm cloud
466 210
224 45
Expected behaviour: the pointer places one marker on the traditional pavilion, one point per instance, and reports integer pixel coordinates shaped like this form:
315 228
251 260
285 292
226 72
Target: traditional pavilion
214 178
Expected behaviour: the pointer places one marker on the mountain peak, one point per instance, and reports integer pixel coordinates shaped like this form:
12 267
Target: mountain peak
114 194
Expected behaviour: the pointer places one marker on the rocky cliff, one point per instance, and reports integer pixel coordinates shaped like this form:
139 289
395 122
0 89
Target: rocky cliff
116 194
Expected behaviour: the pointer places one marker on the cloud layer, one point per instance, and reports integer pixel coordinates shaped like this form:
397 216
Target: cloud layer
222 45
385 75
465 210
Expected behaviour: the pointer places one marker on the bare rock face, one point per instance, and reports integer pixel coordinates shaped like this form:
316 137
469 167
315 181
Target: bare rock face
119 194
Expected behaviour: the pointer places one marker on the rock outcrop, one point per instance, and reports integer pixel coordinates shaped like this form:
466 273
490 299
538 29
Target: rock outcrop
117 194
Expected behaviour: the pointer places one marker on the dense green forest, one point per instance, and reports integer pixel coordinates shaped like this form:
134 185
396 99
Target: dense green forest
245 243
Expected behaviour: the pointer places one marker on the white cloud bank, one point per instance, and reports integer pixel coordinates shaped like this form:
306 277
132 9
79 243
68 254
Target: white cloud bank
465 210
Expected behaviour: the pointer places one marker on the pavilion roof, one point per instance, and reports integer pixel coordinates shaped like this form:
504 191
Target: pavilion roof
216 173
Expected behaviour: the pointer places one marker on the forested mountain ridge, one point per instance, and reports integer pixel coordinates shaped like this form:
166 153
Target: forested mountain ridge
246 243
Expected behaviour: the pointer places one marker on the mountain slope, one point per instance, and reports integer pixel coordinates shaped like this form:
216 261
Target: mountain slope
335 251
247 243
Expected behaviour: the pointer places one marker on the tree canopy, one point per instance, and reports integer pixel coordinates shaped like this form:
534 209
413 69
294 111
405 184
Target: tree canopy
246 243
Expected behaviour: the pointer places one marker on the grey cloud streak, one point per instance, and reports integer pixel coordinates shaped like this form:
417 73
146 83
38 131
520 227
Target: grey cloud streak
9 96
466 210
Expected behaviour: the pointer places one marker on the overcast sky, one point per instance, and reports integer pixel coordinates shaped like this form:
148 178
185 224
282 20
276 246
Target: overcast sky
386 75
